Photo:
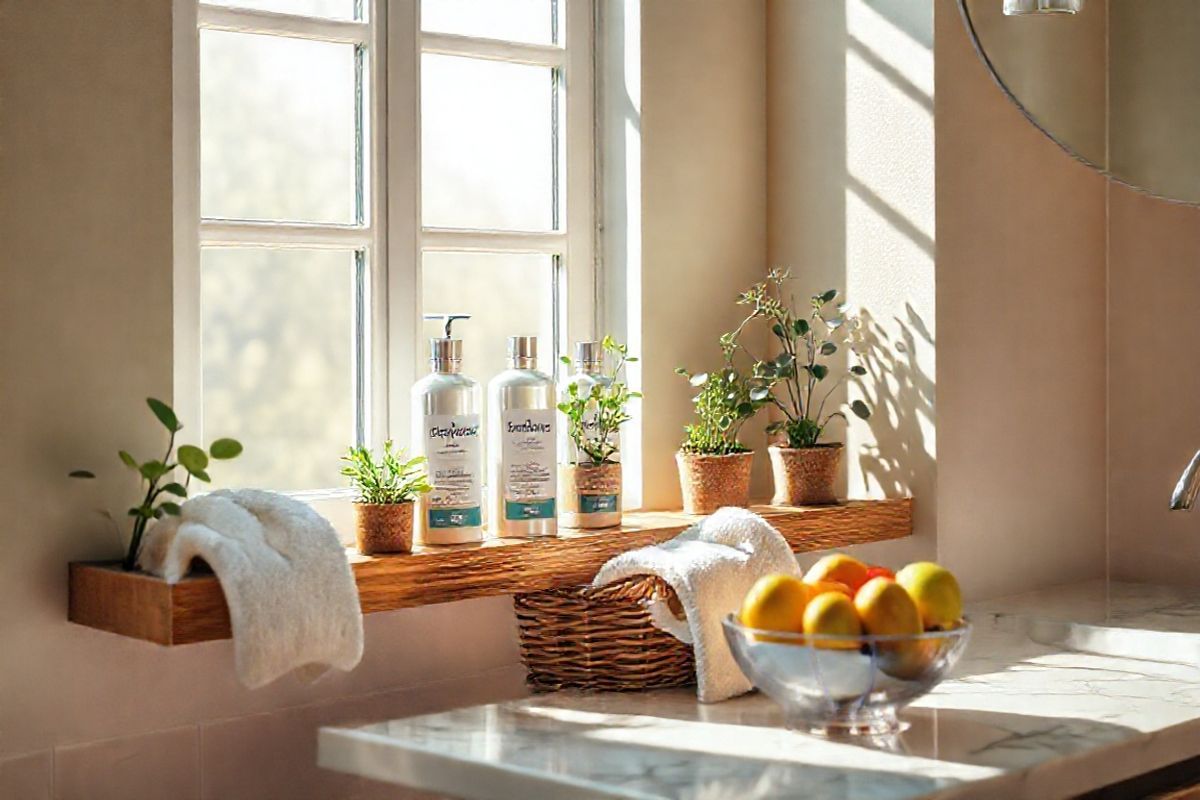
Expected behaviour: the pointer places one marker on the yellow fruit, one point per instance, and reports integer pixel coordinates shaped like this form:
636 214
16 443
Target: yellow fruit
820 587
832 613
838 567
886 609
776 603
935 591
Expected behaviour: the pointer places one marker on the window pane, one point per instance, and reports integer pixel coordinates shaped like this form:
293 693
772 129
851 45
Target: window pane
515 20
277 131
506 294
487 146
333 9
277 332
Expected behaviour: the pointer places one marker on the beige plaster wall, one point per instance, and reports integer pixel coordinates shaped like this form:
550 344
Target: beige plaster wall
1021 324
1154 387
703 198
851 206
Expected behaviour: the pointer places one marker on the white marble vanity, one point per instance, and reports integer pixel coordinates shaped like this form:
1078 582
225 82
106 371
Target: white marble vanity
1020 718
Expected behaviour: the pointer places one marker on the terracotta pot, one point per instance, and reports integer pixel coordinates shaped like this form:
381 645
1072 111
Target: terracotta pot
804 476
711 482
590 495
383 527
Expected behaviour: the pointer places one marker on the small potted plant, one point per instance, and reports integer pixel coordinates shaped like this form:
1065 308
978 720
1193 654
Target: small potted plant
163 494
596 405
714 467
794 382
387 489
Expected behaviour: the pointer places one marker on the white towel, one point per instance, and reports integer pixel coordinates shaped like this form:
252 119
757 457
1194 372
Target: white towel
710 566
293 603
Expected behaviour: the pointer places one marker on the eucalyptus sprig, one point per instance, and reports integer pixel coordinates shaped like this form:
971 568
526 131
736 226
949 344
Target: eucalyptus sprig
793 379
722 406
595 416
392 479
193 459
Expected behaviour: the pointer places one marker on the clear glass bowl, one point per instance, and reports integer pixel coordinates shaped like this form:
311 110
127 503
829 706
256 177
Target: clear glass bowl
844 684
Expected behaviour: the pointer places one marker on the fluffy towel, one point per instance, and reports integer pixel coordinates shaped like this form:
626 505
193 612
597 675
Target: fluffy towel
710 566
292 599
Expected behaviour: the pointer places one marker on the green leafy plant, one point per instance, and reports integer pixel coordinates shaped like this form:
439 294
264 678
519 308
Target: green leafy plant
594 417
390 479
722 406
794 379
163 495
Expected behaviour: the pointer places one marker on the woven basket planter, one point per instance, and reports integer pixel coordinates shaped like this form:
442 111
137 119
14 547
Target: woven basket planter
712 482
383 528
804 476
589 495
601 639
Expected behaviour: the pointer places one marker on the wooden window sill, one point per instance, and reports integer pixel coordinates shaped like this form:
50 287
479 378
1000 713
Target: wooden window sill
142 606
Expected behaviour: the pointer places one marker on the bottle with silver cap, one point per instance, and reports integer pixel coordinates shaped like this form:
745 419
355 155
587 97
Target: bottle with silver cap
522 446
446 430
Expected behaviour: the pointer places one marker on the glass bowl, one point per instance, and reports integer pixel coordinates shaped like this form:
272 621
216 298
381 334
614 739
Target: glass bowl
844 684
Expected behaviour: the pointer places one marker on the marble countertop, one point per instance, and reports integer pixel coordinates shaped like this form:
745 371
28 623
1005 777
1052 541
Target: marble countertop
1026 714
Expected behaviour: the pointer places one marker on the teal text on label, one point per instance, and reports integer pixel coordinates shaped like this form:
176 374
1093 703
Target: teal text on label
455 517
543 509
595 503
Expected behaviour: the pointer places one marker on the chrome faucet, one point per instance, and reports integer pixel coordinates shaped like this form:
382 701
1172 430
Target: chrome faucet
1189 485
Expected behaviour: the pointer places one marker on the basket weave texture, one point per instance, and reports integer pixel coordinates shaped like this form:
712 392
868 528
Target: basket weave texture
601 639
804 476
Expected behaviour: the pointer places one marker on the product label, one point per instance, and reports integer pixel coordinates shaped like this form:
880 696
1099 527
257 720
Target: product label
597 503
527 445
453 447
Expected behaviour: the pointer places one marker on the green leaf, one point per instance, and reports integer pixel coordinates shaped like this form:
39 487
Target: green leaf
201 475
802 327
828 296
858 370
193 459
698 379
224 449
760 394
819 371
565 359
164 413
745 409
828 349
777 329
153 470
785 360
127 459
169 508
860 409
81 473
176 489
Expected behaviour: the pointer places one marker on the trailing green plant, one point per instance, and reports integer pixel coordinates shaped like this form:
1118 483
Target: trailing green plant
390 479
163 495
595 417
722 406
794 379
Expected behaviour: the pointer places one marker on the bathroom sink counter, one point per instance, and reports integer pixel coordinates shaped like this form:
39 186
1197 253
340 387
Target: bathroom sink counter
1022 717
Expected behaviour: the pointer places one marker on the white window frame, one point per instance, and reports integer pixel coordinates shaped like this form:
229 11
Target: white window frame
391 315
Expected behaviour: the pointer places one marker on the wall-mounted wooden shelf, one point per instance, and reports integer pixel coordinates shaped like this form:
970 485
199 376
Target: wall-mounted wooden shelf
193 610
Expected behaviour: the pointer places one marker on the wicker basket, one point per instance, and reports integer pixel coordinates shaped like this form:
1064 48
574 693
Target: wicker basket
601 639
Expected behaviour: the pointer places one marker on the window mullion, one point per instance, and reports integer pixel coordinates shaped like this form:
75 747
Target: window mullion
231 233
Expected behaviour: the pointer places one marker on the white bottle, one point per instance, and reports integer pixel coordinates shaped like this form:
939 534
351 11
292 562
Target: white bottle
446 430
522 447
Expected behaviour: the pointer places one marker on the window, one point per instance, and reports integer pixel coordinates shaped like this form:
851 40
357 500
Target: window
346 168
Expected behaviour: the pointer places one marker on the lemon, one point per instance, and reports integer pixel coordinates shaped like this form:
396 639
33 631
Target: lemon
886 609
832 613
840 568
775 603
935 591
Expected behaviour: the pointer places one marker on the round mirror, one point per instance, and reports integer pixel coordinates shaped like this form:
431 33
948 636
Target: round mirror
1115 82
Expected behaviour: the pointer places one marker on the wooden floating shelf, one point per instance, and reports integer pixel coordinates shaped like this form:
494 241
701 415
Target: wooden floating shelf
142 606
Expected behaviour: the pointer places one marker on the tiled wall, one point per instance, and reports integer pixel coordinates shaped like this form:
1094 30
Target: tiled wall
266 755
